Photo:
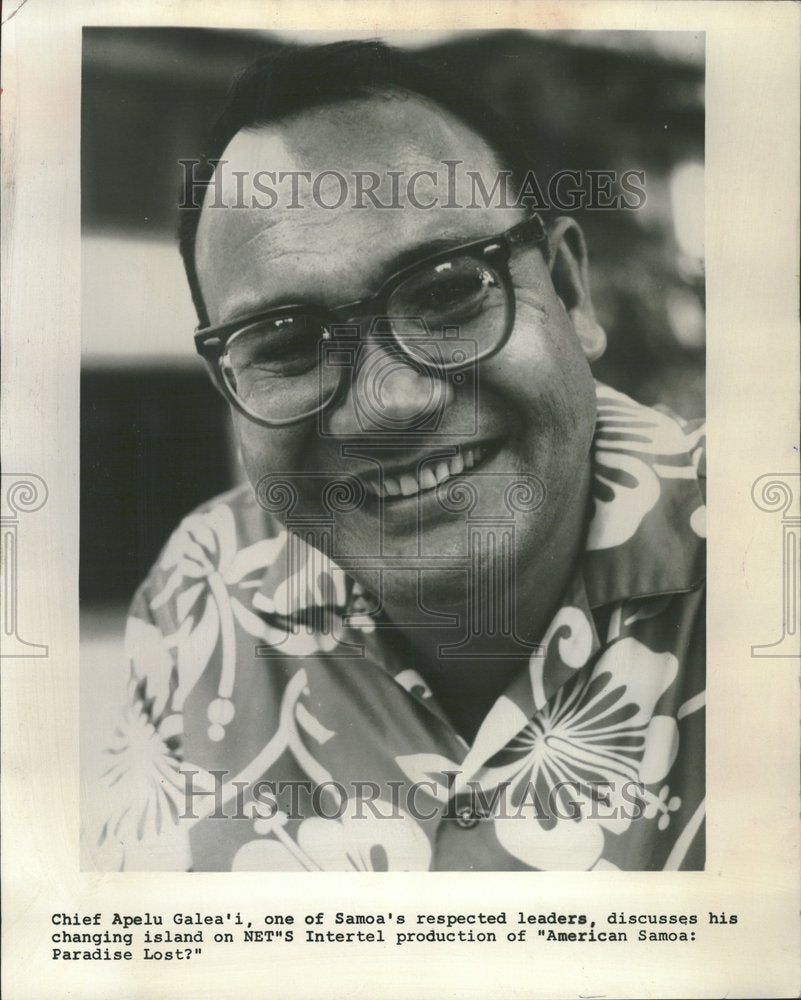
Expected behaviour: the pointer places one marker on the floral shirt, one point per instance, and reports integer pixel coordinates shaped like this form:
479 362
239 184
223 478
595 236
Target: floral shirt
271 726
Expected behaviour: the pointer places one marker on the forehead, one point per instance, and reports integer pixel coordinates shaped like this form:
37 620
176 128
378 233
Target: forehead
291 247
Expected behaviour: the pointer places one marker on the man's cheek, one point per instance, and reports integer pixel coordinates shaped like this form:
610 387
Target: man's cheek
521 377
544 359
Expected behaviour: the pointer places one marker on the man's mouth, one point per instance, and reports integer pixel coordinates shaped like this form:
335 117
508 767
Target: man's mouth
429 474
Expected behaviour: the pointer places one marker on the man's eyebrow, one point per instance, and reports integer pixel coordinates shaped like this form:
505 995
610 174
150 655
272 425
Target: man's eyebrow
406 258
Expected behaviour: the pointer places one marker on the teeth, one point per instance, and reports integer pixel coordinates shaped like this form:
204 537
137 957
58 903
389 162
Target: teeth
430 476
456 464
427 479
408 485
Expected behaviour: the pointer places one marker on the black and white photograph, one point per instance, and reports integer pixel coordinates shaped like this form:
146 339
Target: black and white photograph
393 472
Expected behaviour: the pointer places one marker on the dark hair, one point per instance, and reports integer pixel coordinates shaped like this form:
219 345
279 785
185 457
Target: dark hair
295 78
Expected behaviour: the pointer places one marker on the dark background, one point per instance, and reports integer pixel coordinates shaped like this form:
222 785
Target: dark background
155 440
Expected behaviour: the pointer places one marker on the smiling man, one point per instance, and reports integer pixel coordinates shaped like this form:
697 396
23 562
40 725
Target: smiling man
455 620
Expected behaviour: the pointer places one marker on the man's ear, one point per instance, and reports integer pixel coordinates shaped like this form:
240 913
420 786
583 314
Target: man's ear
569 273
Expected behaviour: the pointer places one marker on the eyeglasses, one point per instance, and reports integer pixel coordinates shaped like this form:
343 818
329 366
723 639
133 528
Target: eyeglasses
443 314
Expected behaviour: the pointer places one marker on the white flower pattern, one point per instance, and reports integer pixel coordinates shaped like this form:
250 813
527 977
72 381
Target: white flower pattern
355 842
636 448
588 742
615 694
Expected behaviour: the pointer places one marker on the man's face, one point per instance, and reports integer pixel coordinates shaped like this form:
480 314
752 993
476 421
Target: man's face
529 410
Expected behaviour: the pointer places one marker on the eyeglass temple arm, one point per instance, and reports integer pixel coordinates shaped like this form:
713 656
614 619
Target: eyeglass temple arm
531 230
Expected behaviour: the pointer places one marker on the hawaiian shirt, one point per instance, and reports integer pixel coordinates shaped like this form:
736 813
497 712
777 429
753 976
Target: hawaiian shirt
260 736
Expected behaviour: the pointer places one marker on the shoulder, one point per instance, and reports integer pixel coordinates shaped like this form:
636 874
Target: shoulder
647 526
695 433
239 509
227 542
655 434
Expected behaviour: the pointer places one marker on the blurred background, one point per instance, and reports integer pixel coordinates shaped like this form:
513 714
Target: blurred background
155 440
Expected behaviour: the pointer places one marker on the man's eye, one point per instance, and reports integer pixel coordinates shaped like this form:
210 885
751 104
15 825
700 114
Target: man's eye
282 349
459 296
289 359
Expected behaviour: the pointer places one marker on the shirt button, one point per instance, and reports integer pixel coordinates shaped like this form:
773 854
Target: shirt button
466 818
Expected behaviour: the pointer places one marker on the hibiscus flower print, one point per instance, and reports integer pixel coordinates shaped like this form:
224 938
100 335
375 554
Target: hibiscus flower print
597 735
636 448
390 841
210 580
143 790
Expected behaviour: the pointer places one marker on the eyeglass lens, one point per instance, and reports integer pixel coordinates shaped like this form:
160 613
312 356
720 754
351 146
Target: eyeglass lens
444 316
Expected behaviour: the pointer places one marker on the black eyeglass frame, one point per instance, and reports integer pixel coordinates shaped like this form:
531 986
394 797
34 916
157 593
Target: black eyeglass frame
212 341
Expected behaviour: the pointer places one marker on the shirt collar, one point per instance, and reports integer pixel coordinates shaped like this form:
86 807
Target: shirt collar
646 532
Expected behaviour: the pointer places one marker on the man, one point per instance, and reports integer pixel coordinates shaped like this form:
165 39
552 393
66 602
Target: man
455 620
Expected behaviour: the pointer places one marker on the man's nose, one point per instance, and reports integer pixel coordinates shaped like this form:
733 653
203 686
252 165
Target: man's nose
390 391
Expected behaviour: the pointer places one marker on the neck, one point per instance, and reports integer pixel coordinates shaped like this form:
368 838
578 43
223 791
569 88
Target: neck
495 620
